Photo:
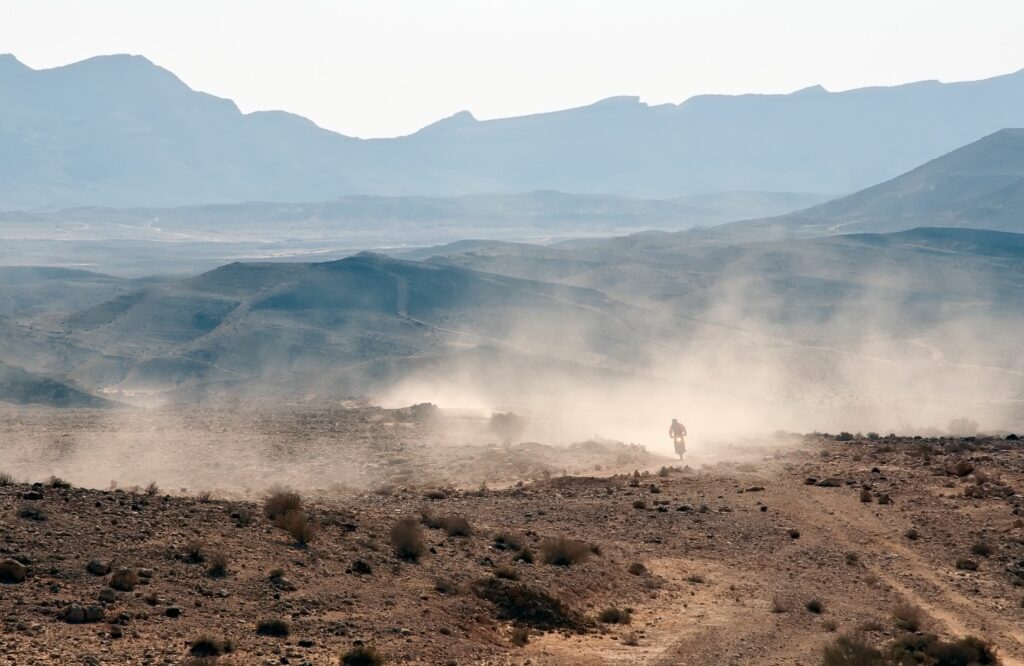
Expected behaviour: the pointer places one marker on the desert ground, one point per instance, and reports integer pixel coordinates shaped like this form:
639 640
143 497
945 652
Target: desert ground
763 551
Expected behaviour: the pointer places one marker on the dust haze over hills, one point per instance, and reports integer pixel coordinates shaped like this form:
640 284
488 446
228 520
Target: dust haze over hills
752 307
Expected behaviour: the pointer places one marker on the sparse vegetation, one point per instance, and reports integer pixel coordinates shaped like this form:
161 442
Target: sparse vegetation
908 617
564 552
362 655
57 482
508 541
520 636
613 615
814 606
929 649
507 572
637 569
204 496
152 489
527 605
982 548
280 502
298 526
218 563
274 627
407 539
852 650
207 646
456 526
6 479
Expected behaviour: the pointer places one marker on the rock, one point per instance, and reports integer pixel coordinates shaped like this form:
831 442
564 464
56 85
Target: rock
73 614
32 495
283 584
362 568
830 482
93 613
884 499
12 571
810 481
97 568
962 468
108 595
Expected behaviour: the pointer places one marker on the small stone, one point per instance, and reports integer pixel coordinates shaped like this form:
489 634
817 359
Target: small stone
108 595
73 614
97 568
12 571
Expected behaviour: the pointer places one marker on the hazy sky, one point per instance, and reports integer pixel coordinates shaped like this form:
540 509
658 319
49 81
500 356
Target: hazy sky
388 67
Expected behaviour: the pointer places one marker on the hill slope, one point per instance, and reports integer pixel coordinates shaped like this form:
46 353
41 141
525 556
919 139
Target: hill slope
120 131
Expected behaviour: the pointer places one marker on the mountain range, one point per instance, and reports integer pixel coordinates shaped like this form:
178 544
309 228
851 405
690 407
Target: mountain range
121 131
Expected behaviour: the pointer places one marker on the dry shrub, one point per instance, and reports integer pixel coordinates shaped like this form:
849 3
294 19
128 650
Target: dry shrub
297 526
983 548
525 555
507 572
908 617
218 563
273 627
456 526
564 552
407 539
207 646
194 552
520 636
124 580
613 615
204 496
851 650
637 569
527 606
814 606
362 655
6 479
280 502
57 482
508 541
152 489
928 649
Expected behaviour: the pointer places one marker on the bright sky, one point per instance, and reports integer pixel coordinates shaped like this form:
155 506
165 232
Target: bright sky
388 67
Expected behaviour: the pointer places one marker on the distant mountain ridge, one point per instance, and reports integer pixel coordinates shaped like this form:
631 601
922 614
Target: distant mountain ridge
121 131
977 186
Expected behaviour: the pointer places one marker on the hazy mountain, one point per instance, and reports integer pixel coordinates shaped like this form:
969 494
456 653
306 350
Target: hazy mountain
120 131
25 388
978 186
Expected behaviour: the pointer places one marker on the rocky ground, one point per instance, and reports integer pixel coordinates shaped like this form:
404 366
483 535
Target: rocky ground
764 554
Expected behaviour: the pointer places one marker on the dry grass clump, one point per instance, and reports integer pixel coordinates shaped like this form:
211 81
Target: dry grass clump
218 563
908 617
928 649
124 580
508 541
407 539
194 552
565 552
57 482
851 650
280 502
6 479
362 655
506 572
204 496
456 526
273 627
520 636
637 569
207 646
613 615
527 606
152 489
983 548
814 606
298 526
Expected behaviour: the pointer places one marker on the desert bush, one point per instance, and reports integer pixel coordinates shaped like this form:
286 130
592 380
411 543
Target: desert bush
508 541
696 578
456 526
435 495
218 563
57 482
983 548
407 539
280 502
6 479
204 496
124 580
844 437
207 646
273 627
445 586
873 436
524 555
526 605
362 655
966 564
637 569
851 558
520 636
865 495
507 572
194 552
297 526
243 517
507 426
814 606
564 552
152 489
908 617
851 650
613 615
928 649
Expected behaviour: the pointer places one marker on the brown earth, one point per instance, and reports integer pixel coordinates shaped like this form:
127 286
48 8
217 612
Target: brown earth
732 553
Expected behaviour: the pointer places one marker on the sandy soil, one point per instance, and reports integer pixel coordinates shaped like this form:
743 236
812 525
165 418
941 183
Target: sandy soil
732 551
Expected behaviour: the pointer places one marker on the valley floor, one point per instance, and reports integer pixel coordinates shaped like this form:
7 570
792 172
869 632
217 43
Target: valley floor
715 565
